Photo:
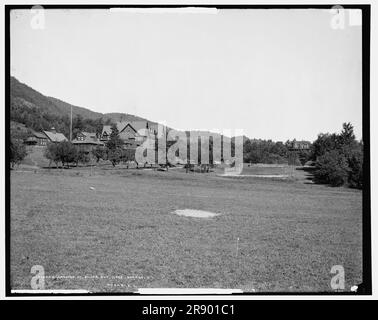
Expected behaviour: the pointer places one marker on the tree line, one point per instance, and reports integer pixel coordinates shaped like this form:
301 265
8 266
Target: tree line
270 152
337 158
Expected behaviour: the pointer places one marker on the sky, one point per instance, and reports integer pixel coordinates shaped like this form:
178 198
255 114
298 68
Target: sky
274 74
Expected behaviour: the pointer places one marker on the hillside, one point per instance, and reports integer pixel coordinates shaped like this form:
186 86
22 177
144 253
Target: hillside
25 96
115 116
65 108
40 112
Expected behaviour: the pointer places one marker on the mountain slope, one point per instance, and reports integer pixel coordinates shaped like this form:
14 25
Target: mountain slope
25 98
23 95
40 112
65 108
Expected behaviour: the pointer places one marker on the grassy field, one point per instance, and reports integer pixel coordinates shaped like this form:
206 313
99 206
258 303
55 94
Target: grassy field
114 230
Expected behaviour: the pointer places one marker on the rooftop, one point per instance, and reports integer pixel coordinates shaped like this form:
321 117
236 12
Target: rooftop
89 138
55 136
39 135
136 125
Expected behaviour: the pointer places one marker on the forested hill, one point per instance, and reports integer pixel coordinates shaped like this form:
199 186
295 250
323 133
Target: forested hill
41 112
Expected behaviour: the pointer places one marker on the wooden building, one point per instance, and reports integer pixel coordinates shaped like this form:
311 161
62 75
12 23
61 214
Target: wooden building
86 141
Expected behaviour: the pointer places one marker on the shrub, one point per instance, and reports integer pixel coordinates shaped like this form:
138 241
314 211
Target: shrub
114 146
83 157
67 152
356 170
17 152
99 153
127 155
339 158
64 152
51 153
332 168
114 156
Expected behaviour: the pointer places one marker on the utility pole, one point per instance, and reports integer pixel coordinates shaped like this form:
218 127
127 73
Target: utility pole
71 126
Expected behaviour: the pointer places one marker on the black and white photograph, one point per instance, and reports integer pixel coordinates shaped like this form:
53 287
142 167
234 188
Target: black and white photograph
187 150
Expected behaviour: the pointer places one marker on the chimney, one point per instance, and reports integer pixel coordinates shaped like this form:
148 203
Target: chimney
53 130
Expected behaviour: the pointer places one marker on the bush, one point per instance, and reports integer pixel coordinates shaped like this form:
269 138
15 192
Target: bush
127 155
64 152
99 153
17 152
356 170
51 153
303 156
332 168
83 157
67 152
339 158
114 156
114 146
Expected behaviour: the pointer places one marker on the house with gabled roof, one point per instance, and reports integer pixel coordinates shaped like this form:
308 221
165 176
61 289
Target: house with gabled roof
54 136
86 141
83 135
107 130
133 134
37 138
299 145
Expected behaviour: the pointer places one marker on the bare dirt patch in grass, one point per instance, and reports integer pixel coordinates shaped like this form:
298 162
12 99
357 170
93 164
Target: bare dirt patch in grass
196 213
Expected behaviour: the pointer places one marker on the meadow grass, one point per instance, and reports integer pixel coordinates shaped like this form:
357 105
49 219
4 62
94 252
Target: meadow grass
114 230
